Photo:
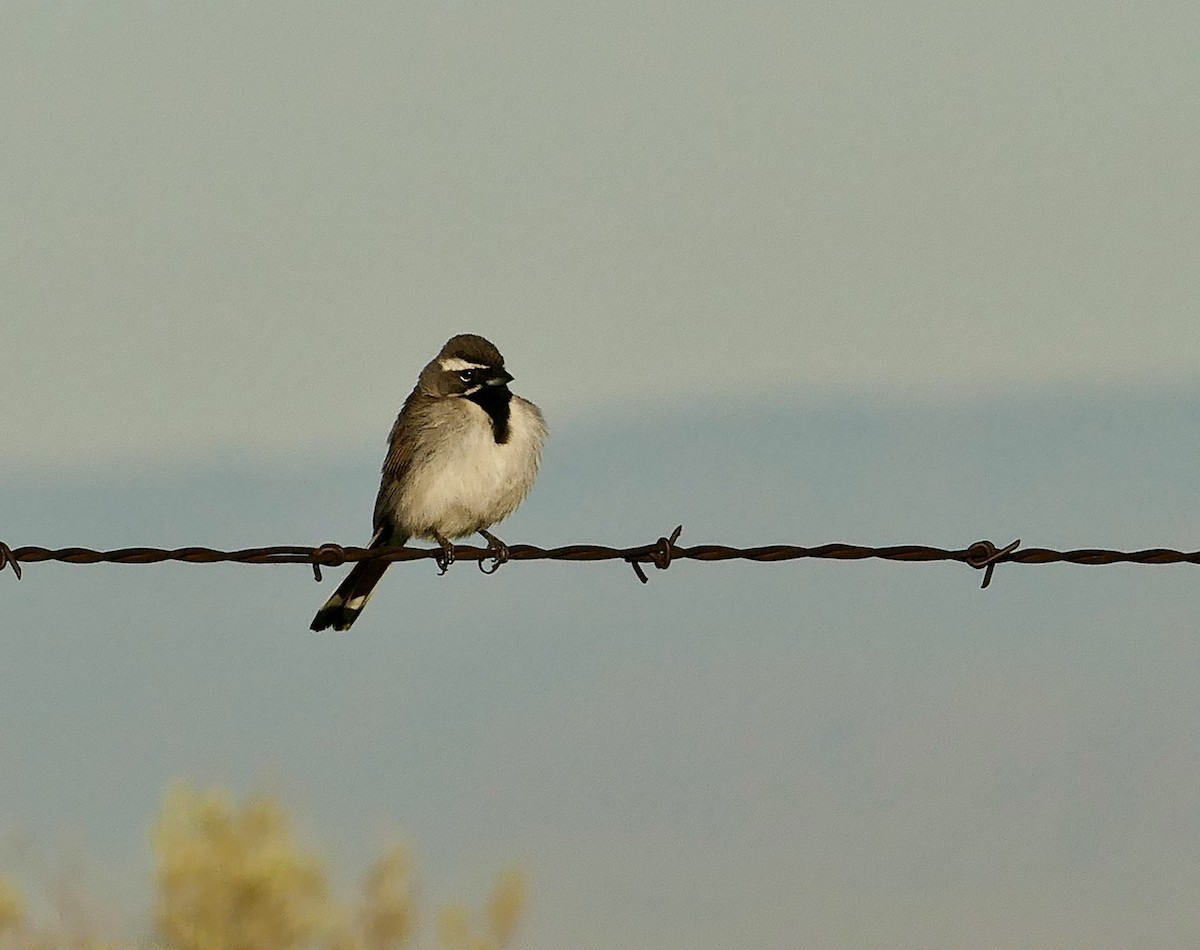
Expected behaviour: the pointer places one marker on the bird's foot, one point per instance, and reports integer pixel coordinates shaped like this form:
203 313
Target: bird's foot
497 549
446 558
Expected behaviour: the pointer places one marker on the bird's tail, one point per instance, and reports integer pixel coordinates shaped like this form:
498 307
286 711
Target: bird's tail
348 601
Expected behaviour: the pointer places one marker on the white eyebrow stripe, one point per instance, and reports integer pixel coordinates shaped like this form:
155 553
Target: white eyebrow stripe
452 364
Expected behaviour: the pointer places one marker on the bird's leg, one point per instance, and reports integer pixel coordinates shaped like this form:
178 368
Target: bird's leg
446 558
497 549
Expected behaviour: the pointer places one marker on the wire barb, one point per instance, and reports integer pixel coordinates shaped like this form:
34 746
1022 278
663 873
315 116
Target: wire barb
329 555
983 555
7 559
659 555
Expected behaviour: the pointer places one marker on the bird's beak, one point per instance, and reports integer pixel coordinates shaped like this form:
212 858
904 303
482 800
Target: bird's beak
498 377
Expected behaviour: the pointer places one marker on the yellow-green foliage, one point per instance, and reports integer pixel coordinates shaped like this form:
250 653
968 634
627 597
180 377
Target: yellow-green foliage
388 915
504 907
12 908
233 877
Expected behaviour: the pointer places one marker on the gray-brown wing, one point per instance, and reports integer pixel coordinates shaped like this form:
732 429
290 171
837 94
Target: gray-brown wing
403 448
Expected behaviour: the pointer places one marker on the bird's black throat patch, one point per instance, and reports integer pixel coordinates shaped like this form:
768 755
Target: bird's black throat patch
494 401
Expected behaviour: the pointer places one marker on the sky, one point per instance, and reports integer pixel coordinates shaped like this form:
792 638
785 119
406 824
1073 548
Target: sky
878 273
233 224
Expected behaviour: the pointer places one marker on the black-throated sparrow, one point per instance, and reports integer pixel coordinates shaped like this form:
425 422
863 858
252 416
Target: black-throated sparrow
463 454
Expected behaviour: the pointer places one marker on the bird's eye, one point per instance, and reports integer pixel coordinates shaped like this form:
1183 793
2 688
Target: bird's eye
467 375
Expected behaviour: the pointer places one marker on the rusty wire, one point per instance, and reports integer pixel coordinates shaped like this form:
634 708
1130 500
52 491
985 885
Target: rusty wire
982 555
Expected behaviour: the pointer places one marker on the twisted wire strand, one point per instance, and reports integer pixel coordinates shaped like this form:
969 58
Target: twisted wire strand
982 555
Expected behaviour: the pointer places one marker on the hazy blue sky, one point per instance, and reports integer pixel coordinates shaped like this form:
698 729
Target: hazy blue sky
242 224
796 272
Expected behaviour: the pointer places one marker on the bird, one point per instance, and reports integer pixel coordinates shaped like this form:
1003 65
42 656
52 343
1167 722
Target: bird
462 455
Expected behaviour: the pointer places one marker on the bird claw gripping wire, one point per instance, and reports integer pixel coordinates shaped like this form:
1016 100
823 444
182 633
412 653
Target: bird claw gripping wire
983 556
660 555
498 551
446 558
329 555
7 559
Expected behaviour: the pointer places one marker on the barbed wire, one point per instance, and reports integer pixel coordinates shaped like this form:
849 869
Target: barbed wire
981 555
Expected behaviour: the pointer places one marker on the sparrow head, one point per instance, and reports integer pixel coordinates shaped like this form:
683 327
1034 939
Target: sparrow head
467 364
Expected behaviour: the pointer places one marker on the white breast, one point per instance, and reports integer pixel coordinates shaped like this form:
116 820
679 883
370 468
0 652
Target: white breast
469 481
